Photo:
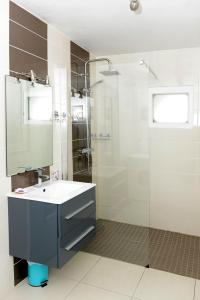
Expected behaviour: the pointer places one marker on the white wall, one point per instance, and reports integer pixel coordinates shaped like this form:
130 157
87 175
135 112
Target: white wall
169 157
175 153
6 269
59 69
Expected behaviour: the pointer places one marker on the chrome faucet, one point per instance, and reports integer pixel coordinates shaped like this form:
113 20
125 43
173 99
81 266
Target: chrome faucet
41 176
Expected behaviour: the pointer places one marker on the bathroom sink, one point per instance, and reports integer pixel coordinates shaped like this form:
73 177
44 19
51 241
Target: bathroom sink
57 189
56 192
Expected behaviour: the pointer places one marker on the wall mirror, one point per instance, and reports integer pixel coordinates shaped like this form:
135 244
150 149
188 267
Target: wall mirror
29 125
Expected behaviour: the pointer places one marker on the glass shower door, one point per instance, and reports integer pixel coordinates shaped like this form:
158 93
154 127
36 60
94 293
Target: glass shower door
120 168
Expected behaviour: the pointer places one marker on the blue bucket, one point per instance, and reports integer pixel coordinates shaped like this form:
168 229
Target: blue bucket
37 274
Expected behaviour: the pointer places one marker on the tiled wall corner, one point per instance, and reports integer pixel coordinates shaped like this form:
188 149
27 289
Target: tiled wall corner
79 57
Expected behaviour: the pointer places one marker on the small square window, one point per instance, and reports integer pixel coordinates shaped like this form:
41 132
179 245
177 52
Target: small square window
171 107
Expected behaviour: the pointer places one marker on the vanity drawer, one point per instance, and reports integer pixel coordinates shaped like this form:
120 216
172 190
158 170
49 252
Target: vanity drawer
70 221
76 209
77 231
73 241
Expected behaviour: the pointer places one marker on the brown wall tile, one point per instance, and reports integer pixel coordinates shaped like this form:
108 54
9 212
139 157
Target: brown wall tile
78 82
28 41
79 131
81 84
80 52
20 271
19 76
26 19
77 65
26 179
78 146
16 260
80 161
83 177
23 62
74 82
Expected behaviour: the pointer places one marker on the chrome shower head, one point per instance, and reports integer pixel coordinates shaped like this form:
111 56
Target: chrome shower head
110 71
134 5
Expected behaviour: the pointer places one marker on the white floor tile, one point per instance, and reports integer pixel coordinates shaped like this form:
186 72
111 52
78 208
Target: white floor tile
116 276
87 292
159 285
78 266
58 288
197 290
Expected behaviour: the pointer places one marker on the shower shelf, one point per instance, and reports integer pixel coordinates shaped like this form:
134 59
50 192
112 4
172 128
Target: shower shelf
101 136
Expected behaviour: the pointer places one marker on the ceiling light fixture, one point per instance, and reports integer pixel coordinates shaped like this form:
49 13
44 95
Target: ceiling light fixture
134 5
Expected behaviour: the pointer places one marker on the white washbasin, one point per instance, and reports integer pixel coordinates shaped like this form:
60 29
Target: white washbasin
56 192
57 189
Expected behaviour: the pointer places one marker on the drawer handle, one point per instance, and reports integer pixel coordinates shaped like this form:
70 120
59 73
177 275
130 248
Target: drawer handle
78 239
68 217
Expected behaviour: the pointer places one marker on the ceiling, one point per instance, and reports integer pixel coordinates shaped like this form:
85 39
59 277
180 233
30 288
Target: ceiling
109 27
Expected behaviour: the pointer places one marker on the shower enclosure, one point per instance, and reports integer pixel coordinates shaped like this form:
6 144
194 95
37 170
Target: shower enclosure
117 105
144 141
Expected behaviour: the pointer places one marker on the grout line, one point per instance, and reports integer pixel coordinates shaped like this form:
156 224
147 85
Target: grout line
80 171
195 283
18 262
78 57
79 123
91 268
107 290
68 294
28 53
29 29
79 281
138 283
76 156
78 74
79 139
24 75
103 289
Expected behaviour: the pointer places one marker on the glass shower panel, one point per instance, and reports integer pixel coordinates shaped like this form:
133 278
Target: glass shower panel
119 117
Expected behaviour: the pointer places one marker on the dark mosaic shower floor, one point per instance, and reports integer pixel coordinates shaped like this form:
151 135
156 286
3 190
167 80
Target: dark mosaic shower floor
163 250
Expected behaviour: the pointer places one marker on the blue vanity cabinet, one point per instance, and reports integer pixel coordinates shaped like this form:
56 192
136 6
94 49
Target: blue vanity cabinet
50 233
